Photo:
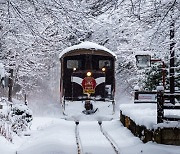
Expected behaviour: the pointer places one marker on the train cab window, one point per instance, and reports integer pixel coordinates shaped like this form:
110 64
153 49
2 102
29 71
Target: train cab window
71 64
104 63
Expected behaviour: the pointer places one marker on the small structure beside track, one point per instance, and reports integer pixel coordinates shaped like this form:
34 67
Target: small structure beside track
153 117
141 120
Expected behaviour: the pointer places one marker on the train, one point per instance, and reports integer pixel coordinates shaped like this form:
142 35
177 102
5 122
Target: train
87 75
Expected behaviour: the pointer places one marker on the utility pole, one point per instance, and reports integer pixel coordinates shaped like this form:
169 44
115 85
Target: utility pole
172 54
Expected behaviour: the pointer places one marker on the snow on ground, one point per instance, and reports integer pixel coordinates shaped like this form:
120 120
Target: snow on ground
92 140
6 147
50 136
55 135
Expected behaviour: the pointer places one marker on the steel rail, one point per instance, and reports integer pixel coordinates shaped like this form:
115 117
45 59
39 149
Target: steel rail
115 148
78 140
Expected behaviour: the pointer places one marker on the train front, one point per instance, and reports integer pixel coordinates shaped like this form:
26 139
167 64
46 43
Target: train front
88 80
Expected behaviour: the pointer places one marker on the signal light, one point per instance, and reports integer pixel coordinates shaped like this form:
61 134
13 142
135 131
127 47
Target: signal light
89 74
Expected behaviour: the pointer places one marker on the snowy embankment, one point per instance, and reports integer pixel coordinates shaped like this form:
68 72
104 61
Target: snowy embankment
15 118
146 115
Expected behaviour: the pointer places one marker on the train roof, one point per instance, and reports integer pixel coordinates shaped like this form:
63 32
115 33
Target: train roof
88 46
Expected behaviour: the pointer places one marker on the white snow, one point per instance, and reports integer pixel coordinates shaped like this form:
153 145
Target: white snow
143 53
86 45
6 147
160 88
2 74
50 136
2 71
136 88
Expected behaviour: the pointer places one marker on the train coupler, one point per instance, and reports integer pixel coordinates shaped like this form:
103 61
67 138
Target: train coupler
89 108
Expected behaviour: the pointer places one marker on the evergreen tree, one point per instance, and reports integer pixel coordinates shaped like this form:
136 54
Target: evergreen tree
153 77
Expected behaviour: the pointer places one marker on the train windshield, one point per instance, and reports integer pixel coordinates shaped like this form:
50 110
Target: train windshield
84 62
73 64
104 63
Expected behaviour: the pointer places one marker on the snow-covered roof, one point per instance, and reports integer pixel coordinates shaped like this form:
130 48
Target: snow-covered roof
86 45
143 53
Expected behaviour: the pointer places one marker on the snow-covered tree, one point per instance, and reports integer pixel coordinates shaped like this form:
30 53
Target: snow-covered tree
33 33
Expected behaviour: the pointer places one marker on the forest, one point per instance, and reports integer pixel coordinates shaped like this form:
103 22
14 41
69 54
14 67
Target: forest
34 32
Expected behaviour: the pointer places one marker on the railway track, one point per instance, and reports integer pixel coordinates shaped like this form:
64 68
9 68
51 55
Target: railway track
101 131
78 141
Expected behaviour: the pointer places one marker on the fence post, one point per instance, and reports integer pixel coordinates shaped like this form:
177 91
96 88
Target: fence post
160 103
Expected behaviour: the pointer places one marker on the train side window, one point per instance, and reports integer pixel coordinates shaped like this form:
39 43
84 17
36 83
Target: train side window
104 63
73 64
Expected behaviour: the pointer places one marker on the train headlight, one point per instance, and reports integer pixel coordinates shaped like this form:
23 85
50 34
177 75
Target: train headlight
103 69
89 74
74 69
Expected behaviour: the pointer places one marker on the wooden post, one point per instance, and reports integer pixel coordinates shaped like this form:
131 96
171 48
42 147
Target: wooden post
172 54
160 103
10 85
136 95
